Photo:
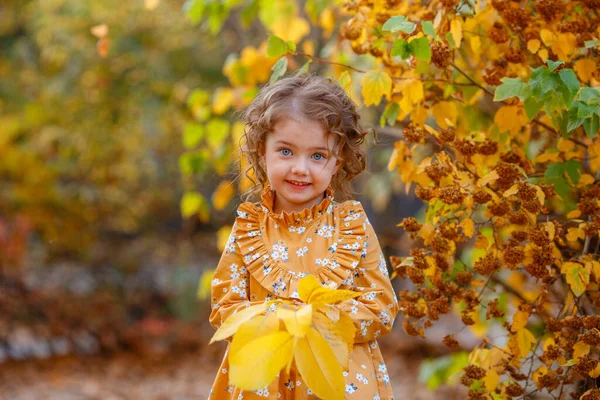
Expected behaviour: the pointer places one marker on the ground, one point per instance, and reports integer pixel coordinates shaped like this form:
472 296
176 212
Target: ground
125 376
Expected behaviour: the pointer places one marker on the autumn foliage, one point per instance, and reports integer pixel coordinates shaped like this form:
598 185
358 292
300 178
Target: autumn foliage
498 107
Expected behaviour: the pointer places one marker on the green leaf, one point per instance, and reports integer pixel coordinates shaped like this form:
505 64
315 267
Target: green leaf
552 65
532 107
574 120
450 40
401 48
420 48
570 79
192 135
573 169
276 47
291 46
591 43
193 162
399 23
591 126
303 69
554 170
192 203
249 13
428 28
589 95
511 87
550 83
389 114
584 110
278 69
567 95
218 132
194 9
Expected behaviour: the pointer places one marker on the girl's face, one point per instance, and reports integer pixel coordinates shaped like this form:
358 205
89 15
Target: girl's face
298 163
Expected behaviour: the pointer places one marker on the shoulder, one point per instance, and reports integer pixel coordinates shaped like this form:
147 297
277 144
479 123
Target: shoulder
353 210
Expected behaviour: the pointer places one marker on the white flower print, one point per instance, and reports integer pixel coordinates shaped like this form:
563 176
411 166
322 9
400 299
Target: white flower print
302 251
325 230
242 214
280 251
309 240
351 388
362 379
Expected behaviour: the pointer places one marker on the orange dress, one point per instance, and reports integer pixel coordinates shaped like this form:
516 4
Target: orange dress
266 256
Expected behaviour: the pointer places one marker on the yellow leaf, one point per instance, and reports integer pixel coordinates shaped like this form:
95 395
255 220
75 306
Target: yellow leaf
540 195
290 29
593 374
456 31
574 214
548 38
223 236
333 313
375 84
223 194
194 203
585 179
533 45
585 69
445 114
565 46
519 321
511 118
524 341
512 190
205 283
331 296
490 177
414 91
491 380
318 366
475 44
575 233
327 21
306 286
580 349
340 336
419 115
296 322
550 228
543 53
253 329
577 276
482 242
233 322
256 364
468 227
222 99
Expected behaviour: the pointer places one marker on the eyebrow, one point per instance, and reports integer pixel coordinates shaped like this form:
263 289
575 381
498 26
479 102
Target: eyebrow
291 145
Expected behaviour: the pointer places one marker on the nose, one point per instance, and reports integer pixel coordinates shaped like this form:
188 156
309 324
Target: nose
300 166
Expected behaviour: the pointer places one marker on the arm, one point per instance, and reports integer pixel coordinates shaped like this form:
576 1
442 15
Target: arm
230 285
374 312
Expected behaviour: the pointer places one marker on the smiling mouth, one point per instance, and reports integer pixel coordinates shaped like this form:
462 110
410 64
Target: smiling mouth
298 183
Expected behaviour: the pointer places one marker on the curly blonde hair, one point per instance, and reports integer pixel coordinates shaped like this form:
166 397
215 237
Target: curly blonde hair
315 98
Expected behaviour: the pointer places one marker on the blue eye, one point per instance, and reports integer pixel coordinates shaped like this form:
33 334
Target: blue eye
318 156
285 152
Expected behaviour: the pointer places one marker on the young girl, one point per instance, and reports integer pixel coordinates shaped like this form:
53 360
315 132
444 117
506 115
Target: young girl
303 142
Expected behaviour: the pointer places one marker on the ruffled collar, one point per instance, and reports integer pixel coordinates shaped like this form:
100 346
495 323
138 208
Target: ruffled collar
295 217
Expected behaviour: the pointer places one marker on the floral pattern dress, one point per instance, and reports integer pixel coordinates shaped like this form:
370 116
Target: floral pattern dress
266 256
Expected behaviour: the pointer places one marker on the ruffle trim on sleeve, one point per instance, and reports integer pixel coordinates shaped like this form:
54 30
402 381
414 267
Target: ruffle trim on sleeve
271 273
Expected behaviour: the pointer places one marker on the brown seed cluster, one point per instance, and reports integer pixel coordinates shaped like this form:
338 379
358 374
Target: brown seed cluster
481 197
514 256
447 135
440 245
518 218
516 17
411 224
515 56
486 265
436 171
451 195
550 10
508 174
413 134
411 329
498 34
548 380
441 262
585 365
416 276
552 353
441 55
539 236
419 260
487 148
450 342
592 337
592 394
493 75
514 390
493 311
464 277
423 193
474 372
499 209
438 307
476 395
465 147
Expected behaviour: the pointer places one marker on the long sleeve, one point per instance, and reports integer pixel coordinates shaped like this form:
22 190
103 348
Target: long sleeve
230 285
374 312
